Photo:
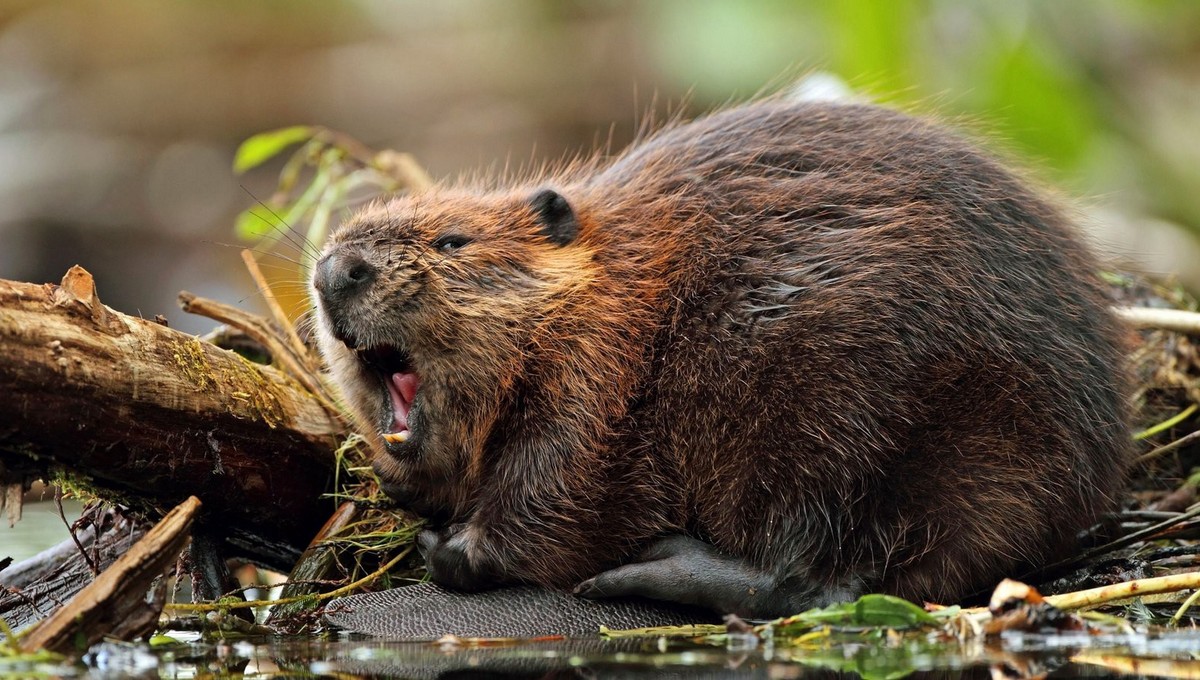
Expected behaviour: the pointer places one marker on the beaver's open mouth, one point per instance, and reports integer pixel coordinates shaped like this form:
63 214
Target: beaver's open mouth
400 379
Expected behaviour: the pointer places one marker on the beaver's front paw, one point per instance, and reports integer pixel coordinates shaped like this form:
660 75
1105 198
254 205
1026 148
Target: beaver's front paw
454 560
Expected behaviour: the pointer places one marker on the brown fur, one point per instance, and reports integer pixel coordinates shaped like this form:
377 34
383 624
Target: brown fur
832 340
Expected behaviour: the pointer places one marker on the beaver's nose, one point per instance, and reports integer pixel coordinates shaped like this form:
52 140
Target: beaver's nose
340 276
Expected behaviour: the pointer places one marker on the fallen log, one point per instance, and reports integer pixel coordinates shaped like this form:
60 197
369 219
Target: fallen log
149 416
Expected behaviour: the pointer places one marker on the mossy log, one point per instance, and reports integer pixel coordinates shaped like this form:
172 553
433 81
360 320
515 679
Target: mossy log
149 416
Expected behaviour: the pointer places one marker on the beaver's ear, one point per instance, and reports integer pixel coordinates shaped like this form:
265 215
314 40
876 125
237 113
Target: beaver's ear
555 216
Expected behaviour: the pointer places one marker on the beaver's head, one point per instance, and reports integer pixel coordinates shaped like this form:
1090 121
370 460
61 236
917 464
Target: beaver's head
424 307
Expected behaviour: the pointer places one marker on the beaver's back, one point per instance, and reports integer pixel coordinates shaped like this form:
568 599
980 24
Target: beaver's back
880 354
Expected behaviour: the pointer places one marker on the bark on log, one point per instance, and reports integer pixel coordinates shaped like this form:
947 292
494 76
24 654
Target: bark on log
151 415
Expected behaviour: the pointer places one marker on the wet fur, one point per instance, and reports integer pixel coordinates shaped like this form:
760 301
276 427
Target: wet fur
832 341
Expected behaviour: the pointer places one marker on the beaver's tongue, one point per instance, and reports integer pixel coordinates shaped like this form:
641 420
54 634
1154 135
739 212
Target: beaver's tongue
402 387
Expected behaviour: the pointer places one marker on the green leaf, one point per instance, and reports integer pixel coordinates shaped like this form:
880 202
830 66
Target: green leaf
870 611
258 222
318 226
301 209
291 169
262 147
254 224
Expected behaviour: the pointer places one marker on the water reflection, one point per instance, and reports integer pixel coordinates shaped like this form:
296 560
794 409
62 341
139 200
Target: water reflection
1135 655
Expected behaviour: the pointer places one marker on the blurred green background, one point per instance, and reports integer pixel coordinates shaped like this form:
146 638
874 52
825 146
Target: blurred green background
119 118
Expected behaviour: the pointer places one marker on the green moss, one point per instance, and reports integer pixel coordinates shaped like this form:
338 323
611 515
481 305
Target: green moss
84 488
190 357
251 389
250 393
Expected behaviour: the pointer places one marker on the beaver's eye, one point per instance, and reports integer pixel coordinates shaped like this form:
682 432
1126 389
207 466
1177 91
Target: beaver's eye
451 242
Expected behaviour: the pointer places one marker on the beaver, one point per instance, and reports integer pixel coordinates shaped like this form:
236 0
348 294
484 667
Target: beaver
774 357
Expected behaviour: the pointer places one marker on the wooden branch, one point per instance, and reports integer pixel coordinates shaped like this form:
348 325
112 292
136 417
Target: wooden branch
150 416
1092 597
258 329
1178 320
1157 585
316 564
114 605
11 498
281 319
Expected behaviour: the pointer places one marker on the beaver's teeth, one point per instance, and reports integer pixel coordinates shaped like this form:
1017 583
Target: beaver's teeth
396 437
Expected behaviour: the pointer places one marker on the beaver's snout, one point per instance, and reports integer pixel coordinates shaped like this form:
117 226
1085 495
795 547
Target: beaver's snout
341 276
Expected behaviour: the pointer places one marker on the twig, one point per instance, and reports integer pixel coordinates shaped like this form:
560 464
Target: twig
1123 591
690 630
229 624
1122 542
317 597
1148 532
114 603
401 167
1177 320
277 313
404 168
1173 551
11 500
1167 448
1166 424
1187 604
1091 597
1143 515
71 530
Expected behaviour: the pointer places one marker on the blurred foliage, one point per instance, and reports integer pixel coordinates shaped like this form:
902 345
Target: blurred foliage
117 134
1075 85
340 168
1101 95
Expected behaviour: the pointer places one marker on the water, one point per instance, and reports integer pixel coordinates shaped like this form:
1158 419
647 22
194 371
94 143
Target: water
871 656
40 528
